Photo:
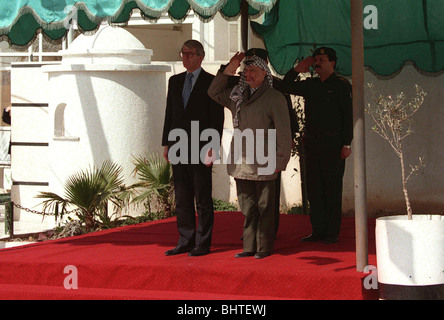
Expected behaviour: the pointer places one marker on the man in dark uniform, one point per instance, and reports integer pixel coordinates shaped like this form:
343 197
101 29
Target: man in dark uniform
263 54
327 138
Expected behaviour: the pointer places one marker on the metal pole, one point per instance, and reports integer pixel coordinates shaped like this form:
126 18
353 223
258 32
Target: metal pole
357 36
244 25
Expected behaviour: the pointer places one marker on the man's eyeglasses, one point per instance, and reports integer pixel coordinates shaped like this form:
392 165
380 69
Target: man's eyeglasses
187 54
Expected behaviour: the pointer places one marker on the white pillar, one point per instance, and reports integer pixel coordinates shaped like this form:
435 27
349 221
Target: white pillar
107 102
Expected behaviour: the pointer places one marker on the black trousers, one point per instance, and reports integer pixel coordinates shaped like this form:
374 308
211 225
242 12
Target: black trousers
193 185
277 201
325 170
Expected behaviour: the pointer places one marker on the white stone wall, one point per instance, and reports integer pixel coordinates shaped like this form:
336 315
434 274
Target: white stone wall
29 134
384 188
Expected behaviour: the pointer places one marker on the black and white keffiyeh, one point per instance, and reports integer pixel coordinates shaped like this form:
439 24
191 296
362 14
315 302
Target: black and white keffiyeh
238 91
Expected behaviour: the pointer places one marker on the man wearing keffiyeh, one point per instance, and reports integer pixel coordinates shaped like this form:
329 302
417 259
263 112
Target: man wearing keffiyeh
257 107
238 91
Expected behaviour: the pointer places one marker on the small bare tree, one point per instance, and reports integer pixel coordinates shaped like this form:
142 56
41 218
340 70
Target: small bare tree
393 122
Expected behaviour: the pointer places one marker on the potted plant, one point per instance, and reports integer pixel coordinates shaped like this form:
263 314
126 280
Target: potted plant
409 248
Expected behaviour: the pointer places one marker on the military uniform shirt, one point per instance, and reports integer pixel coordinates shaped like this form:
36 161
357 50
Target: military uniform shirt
328 104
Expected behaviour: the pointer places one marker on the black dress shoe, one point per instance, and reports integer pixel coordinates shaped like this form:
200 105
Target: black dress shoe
198 251
261 255
178 250
311 238
244 254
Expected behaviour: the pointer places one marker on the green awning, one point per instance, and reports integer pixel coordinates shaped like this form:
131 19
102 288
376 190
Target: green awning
21 19
395 32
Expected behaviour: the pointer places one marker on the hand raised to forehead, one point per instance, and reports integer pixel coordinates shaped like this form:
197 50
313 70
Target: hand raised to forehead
304 65
234 63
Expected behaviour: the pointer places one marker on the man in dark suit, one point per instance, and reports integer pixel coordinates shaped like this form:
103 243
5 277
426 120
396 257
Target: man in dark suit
190 110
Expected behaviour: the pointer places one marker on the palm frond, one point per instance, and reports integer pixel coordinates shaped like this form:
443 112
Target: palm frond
155 181
54 204
154 173
89 190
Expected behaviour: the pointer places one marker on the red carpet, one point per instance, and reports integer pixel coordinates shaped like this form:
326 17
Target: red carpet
129 263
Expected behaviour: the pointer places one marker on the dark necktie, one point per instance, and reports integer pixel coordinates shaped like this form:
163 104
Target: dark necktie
187 87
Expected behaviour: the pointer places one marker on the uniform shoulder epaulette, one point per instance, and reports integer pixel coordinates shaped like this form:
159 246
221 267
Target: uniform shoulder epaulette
344 81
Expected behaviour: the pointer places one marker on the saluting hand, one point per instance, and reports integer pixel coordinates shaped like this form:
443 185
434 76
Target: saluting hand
234 63
304 65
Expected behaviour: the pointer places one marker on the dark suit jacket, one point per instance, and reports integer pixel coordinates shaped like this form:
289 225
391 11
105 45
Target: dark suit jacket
200 107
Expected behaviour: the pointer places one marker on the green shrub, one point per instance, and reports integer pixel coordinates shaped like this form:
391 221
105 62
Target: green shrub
220 205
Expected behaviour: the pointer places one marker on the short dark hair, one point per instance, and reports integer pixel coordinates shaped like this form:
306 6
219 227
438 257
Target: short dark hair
194 44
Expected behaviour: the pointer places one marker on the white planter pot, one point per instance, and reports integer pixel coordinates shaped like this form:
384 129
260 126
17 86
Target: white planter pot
410 257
